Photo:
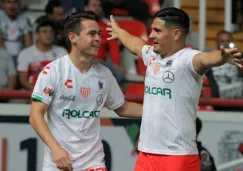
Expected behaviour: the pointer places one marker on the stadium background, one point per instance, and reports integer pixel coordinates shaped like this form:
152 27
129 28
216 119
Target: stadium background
222 132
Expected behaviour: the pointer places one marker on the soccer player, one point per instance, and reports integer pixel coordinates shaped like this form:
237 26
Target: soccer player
172 89
72 90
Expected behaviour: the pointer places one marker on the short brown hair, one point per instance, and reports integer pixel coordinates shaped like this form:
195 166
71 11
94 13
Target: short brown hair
73 23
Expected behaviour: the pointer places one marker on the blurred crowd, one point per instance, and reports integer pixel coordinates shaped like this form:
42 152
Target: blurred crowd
26 47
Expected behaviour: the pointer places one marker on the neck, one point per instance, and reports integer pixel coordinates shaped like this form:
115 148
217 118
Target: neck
81 61
42 47
174 48
11 17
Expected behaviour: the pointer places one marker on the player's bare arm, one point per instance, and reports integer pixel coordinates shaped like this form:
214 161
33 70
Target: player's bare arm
130 110
60 156
132 43
206 60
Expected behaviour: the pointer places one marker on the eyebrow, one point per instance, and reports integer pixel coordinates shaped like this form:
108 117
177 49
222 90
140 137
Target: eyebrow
94 31
156 29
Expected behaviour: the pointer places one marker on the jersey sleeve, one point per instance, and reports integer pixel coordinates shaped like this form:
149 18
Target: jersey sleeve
189 62
45 86
115 98
147 53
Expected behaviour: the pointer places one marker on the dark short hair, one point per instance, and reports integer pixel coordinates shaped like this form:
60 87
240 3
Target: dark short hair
44 23
175 17
223 32
51 5
73 23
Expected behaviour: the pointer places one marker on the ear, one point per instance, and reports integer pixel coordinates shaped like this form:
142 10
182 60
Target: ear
72 37
177 34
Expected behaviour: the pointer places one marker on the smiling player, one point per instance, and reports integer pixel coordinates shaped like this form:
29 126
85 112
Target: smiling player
72 90
172 90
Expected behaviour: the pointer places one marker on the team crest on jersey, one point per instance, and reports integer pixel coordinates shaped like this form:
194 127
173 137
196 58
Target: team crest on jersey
85 92
169 63
101 85
156 68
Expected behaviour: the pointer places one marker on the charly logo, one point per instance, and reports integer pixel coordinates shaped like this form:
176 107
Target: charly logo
168 77
68 84
68 98
99 100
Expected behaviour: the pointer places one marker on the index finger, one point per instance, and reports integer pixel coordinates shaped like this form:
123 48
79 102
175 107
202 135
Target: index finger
233 50
69 164
222 49
112 19
70 167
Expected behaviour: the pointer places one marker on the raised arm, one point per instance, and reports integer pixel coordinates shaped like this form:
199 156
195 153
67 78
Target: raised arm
37 112
132 43
206 60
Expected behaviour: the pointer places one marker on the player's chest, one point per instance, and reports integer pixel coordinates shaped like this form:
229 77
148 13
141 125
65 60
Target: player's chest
76 89
163 72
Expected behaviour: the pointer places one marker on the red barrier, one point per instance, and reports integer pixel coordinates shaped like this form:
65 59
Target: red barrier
232 103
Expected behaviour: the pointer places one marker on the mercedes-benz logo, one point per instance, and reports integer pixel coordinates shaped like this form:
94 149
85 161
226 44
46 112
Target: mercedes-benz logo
168 77
99 100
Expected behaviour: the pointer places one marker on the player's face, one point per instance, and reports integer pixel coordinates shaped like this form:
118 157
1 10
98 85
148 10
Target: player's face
88 41
45 35
161 37
11 7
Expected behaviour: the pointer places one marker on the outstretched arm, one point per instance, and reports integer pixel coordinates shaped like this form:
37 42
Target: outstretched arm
132 43
206 60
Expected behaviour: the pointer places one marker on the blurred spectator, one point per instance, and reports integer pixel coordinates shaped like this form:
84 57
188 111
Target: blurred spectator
106 47
15 29
55 13
136 8
226 80
7 71
207 161
166 3
32 59
71 6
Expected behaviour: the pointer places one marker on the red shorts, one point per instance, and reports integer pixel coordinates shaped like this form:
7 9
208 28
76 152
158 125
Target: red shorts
155 162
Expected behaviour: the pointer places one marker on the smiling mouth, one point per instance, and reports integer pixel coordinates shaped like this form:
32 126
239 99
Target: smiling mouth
155 44
97 47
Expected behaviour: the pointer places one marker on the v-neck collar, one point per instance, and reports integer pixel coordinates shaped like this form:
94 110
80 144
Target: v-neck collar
76 69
